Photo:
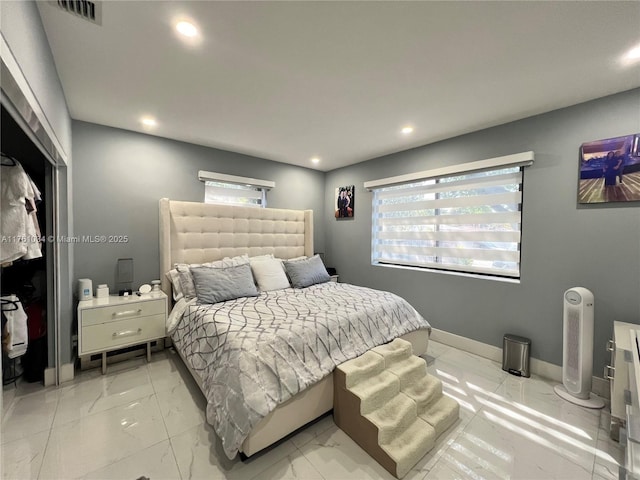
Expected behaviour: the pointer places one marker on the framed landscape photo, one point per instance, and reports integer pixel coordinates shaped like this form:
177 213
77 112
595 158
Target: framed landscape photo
610 170
345 203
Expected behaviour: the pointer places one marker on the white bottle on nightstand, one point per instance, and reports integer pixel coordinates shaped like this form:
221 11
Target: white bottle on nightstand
85 289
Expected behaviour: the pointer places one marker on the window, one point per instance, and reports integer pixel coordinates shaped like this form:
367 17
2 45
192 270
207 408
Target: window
233 190
234 194
468 221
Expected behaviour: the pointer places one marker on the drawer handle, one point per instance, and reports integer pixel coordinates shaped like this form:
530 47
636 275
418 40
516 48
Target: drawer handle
610 345
127 333
128 313
609 372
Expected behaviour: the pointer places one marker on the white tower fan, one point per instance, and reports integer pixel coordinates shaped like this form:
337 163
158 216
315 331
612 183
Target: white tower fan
577 346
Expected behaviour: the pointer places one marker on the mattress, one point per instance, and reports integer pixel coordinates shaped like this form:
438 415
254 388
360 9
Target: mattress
255 353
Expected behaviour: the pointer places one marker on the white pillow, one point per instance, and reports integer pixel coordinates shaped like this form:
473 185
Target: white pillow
269 274
261 257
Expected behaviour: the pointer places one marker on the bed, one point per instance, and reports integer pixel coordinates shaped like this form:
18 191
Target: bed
195 233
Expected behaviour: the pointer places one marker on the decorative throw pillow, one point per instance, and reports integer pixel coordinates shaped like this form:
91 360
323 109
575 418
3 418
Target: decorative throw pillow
215 285
269 274
296 259
232 261
185 278
186 281
174 278
304 273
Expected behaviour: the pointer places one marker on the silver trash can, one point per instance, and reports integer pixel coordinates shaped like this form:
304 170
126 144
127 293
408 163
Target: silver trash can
515 355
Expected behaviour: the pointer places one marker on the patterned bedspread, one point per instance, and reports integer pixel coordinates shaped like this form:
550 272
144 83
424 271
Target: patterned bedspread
256 353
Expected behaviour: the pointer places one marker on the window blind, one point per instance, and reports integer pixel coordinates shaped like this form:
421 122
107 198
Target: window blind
466 222
234 194
234 190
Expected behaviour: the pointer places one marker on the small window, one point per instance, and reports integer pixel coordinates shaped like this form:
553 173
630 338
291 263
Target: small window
234 194
465 222
233 190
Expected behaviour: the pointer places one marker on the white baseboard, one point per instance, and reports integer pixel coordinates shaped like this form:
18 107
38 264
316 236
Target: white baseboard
49 376
546 369
599 386
468 345
67 372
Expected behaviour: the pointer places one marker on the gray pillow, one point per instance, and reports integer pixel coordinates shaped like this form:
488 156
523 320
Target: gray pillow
215 285
186 279
304 273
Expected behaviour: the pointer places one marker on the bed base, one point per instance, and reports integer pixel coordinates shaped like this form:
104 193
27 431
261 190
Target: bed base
302 408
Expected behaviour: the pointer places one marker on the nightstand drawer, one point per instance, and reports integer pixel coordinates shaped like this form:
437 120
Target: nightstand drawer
107 336
94 316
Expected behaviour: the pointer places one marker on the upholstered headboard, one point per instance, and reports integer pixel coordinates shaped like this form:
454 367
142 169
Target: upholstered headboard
192 232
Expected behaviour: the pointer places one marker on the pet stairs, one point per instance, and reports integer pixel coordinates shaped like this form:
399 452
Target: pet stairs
389 405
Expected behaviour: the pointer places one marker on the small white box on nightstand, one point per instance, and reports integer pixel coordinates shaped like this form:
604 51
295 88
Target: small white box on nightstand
102 291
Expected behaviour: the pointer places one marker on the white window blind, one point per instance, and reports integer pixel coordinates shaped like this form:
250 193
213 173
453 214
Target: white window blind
234 194
466 222
233 190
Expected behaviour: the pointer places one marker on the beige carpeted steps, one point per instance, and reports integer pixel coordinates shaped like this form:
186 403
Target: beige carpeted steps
387 402
395 416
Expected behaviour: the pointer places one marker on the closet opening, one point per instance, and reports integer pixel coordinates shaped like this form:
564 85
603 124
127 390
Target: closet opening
26 256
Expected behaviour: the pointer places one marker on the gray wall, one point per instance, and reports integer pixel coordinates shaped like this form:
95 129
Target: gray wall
23 31
119 176
563 244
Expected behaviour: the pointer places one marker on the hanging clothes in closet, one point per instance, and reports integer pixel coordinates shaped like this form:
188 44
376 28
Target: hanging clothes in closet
15 337
19 230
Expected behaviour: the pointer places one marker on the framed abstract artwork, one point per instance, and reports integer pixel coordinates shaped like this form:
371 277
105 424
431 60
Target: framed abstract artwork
610 170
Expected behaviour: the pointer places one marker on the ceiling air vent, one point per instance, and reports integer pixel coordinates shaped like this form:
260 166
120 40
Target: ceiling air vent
90 11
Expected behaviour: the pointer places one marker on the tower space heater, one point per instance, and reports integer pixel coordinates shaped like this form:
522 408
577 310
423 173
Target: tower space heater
577 346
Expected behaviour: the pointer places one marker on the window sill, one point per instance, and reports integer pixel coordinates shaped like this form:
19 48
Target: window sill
448 272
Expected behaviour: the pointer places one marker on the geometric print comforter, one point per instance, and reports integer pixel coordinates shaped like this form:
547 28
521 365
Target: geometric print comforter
254 353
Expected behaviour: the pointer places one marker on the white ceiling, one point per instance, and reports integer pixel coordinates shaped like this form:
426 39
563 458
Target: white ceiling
338 80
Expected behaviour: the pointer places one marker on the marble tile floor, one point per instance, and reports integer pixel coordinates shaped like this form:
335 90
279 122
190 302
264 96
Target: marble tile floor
148 420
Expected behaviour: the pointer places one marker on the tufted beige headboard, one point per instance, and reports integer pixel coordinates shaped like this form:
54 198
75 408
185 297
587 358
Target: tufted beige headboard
192 232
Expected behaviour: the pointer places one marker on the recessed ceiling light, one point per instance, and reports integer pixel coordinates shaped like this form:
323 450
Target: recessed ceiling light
407 130
148 121
315 160
187 29
632 56
634 53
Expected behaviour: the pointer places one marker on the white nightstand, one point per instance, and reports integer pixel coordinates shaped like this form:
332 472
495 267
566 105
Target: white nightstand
114 322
